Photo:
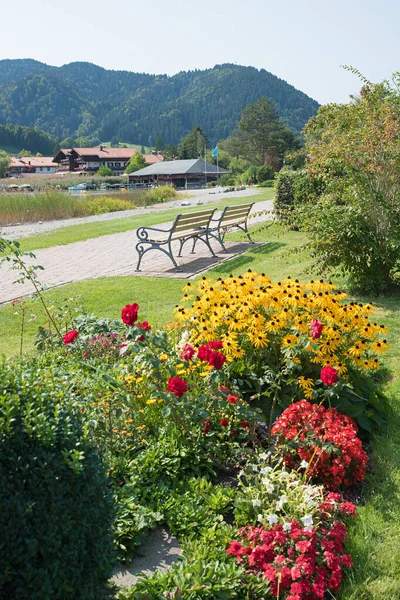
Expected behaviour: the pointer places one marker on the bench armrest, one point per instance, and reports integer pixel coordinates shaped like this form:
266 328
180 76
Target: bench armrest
142 232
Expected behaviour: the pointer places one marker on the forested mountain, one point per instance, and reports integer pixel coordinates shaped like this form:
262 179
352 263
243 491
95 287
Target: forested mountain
82 99
14 138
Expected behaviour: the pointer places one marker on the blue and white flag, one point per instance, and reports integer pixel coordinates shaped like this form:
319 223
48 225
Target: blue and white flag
215 151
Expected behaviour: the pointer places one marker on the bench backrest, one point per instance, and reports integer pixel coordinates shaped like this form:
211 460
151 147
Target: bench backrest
234 214
190 222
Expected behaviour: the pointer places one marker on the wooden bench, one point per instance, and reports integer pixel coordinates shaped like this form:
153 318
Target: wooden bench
189 226
232 217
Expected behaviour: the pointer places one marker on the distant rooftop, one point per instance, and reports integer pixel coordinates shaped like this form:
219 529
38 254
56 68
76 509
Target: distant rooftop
195 166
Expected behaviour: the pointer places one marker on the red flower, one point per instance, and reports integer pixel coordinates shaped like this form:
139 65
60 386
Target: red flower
129 314
316 328
145 326
204 352
216 360
187 352
325 439
224 422
70 336
207 425
177 386
328 375
217 345
243 424
232 399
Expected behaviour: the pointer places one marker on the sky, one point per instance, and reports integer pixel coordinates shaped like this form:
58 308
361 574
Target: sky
303 42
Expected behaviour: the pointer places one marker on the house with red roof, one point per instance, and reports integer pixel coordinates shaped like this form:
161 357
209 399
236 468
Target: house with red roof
31 165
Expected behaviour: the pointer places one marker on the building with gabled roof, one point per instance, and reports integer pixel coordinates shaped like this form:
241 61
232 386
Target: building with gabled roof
31 165
89 160
179 173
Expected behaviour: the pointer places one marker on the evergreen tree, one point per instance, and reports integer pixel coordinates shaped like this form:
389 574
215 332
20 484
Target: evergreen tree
260 133
193 144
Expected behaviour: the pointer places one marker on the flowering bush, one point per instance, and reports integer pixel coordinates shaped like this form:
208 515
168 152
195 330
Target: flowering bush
322 441
298 562
283 334
297 544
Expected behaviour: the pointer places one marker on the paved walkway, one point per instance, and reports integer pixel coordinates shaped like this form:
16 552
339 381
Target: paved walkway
115 255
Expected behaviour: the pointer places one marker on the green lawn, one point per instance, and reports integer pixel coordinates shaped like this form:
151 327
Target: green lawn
78 233
374 538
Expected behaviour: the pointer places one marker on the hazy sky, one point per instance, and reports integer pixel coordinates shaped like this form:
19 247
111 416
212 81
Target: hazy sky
303 42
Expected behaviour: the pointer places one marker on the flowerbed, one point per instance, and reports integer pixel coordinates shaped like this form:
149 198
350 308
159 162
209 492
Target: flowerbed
205 428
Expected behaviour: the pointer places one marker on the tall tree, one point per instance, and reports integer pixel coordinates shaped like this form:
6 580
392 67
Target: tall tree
260 133
4 160
193 144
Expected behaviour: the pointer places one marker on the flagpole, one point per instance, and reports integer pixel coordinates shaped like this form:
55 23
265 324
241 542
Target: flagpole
205 164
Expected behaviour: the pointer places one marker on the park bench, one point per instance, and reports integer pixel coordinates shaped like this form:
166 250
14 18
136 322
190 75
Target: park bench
189 226
232 217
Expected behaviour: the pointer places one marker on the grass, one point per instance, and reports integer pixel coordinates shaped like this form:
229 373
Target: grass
78 233
374 539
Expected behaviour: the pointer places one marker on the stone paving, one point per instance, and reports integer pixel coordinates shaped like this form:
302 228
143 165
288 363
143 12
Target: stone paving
115 255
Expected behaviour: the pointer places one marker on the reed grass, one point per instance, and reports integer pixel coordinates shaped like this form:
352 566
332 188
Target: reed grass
51 205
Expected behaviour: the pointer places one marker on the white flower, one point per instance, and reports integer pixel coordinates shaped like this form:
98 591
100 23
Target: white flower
272 519
304 464
255 468
287 527
268 485
260 518
256 502
284 475
241 473
263 456
282 500
307 521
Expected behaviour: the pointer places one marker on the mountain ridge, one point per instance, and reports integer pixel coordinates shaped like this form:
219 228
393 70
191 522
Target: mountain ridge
84 99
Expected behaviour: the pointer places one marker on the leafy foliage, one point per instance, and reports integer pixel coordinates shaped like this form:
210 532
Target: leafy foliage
56 508
29 138
137 162
355 224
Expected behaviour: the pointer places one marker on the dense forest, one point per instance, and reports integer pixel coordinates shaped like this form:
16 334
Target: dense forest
15 138
84 100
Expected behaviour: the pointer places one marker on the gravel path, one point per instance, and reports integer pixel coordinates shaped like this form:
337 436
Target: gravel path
196 197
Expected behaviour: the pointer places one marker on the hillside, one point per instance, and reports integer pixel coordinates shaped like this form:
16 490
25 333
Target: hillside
82 99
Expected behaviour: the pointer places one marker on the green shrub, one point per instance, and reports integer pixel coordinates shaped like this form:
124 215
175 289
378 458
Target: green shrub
264 173
293 189
55 508
160 194
269 183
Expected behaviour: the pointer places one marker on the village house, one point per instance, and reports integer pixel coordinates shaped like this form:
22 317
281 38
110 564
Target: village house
89 160
31 165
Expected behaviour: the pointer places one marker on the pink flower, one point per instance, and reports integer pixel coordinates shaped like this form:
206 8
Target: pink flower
70 336
328 375
316 328
187 352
